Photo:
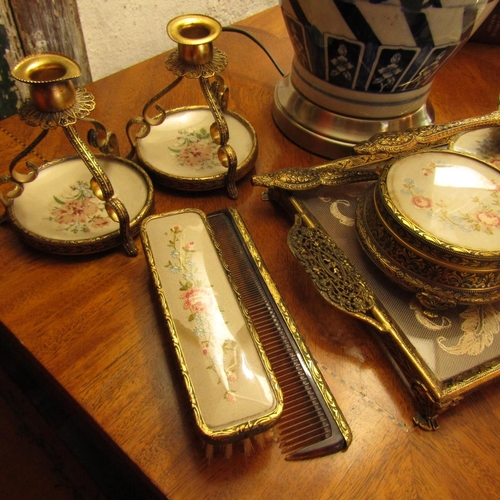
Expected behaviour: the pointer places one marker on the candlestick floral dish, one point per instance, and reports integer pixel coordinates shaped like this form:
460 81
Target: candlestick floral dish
181 154
59 212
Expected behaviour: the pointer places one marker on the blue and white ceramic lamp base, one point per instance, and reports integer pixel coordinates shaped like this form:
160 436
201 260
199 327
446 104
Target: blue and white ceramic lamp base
362 67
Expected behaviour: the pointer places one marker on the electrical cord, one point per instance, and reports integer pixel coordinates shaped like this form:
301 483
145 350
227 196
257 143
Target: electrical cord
258 42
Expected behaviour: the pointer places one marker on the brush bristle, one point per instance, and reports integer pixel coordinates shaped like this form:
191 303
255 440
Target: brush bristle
248 445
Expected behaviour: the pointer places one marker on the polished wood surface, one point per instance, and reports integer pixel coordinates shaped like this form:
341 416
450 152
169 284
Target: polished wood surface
92 322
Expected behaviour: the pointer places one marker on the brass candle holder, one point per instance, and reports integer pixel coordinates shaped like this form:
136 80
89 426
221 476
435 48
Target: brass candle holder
195 148
55 102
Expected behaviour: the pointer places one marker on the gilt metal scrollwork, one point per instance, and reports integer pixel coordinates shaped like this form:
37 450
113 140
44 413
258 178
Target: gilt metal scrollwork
333 275
194 58
424 137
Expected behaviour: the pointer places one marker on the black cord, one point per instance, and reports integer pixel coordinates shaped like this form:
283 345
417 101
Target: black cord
262 46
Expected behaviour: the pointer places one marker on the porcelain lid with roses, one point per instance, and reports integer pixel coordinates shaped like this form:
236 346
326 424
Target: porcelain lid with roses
450 199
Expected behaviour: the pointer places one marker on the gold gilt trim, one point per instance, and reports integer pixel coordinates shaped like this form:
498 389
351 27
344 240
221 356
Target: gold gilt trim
425 248
181 68
437 287
393 211
394 143
83 105
232 433
335 173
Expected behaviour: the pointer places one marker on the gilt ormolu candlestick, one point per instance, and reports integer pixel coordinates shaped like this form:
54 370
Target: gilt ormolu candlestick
197 58
55 102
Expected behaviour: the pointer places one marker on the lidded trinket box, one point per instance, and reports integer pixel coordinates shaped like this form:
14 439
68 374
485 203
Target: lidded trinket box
432 223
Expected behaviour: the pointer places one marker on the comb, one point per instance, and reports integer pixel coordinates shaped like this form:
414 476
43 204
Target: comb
311 425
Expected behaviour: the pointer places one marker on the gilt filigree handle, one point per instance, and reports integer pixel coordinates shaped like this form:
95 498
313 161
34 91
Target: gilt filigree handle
335 173
424 137
334 276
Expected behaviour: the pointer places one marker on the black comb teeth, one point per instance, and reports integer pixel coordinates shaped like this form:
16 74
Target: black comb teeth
310 425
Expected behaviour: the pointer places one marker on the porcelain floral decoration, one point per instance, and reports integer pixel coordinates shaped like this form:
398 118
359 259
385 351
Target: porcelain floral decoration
203 312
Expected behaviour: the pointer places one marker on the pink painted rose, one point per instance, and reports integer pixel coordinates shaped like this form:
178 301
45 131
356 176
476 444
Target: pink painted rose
230 397
198 300
196 154
205 347
99 221
421 201
75 211
490 219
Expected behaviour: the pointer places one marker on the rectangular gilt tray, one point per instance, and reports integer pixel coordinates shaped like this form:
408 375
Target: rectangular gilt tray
441 359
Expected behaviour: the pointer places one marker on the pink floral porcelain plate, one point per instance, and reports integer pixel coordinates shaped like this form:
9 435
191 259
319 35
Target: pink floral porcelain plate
180 152
232 389
58 211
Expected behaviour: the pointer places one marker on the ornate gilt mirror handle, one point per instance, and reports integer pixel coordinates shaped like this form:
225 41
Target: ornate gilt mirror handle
335 173
424 137
334 276
371 153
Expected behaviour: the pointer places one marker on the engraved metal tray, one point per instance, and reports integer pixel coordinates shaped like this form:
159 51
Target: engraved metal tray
441 358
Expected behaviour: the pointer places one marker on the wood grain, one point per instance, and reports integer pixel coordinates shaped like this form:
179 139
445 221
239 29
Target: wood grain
93 324
52 26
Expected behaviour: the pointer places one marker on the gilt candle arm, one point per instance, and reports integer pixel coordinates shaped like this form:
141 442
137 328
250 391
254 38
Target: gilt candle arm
101 138
145 122
219 131
33 171
103 189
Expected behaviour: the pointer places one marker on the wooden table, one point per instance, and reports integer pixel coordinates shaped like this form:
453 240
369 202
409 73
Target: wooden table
92 323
